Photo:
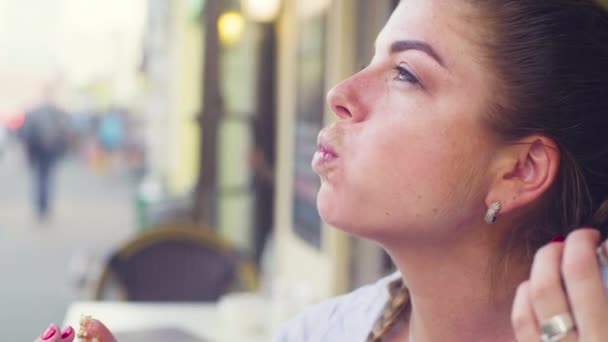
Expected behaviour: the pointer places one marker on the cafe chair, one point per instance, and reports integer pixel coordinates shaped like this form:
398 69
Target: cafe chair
175 263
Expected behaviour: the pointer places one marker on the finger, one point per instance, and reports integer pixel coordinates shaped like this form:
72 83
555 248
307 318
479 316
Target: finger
585 289
522 317
51 334
93 328
67 334
547 293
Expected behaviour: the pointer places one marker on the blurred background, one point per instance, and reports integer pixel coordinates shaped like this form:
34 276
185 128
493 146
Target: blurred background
119 119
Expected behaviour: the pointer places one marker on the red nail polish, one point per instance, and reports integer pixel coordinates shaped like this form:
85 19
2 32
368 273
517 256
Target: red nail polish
49 332
67 332
559 239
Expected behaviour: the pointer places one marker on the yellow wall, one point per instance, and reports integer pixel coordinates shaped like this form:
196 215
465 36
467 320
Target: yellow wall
185 98
324 273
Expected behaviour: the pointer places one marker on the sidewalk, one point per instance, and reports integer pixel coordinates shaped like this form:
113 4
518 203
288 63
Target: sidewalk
92 214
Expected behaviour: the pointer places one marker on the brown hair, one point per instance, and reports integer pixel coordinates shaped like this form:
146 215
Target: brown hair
551 58
551 63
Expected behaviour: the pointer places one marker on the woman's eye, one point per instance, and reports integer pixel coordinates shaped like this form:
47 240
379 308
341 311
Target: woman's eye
404 75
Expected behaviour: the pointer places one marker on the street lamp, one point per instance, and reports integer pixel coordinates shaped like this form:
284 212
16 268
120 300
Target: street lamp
261 10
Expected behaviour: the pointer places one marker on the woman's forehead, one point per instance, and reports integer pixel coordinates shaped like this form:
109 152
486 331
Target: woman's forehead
439 23
411 17
426 19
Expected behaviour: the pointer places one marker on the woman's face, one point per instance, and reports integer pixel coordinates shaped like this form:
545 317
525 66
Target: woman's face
409 152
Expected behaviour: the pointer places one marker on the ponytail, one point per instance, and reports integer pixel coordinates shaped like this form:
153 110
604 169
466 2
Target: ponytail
395 308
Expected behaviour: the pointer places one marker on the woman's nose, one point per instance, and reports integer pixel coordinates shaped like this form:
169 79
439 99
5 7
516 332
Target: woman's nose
337 102
341 100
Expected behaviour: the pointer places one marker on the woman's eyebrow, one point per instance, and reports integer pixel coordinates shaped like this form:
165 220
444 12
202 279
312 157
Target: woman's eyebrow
404 45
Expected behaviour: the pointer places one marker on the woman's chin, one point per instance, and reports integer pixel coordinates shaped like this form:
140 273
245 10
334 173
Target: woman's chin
336 212
341 213
328 206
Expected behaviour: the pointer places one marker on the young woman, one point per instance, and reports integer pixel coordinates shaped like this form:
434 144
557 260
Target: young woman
476 135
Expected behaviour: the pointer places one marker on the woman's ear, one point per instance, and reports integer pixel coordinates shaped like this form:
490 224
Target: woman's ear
525 171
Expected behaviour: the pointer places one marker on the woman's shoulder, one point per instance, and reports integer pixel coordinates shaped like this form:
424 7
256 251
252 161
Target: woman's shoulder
346 317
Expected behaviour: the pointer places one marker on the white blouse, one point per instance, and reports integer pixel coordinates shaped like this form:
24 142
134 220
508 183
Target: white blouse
347 318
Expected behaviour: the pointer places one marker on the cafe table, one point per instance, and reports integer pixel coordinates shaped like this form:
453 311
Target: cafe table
202 320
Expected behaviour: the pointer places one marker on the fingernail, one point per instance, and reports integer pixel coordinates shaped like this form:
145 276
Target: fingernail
67 332
49 332
559 239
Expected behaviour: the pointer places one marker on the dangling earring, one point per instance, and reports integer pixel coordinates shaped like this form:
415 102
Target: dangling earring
492 212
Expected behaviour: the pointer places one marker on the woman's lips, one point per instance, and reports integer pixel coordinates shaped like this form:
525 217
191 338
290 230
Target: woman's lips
324 157
327 152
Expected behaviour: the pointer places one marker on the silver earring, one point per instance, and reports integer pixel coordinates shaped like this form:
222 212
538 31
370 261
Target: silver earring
492 212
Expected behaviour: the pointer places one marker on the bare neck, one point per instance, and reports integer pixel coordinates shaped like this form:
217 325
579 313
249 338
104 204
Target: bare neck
453 296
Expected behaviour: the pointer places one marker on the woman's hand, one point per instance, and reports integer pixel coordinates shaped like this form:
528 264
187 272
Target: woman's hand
565 285
90 329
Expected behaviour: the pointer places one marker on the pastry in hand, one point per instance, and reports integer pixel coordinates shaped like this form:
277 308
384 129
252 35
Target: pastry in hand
92 330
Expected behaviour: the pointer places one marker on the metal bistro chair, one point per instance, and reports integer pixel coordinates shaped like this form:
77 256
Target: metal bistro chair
175 262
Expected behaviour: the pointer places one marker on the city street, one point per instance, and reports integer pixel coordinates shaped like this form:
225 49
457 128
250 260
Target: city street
40 263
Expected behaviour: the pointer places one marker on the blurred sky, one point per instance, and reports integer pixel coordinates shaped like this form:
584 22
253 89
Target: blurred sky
77 41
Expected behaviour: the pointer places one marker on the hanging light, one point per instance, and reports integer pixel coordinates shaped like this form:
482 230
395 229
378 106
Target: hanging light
230 27
261 10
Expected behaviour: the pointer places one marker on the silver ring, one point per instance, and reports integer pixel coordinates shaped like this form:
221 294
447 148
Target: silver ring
557 327
601 256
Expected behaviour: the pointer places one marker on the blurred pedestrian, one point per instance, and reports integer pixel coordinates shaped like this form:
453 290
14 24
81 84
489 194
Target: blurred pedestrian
111 135
45 133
